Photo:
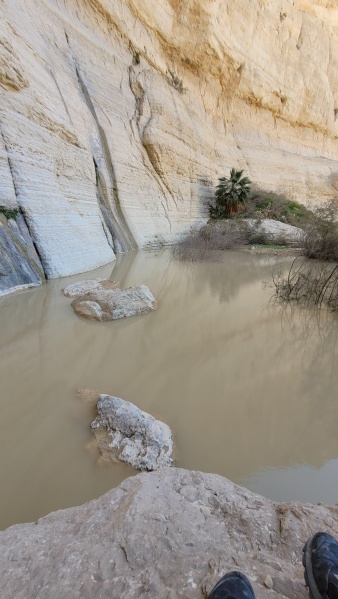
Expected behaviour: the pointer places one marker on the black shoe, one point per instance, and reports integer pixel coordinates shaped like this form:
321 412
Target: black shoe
233 585
320 560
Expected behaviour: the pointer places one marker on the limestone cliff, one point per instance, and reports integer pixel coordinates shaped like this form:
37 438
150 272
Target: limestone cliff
117 116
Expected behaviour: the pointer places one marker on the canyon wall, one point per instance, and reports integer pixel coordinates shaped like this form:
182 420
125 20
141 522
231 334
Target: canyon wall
118 116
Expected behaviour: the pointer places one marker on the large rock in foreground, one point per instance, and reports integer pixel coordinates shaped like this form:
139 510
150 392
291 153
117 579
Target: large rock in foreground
104 303
168 534
131 435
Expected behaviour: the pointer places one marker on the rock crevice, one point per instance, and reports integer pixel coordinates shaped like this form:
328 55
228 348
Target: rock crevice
111 208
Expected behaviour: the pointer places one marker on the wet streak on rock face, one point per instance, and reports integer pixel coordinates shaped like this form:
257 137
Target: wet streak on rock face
110 207
19 263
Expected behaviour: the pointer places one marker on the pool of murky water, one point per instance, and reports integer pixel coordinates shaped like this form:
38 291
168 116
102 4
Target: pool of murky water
248 389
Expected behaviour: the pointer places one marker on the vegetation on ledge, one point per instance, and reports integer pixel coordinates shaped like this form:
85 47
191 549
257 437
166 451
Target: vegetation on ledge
9 212
231 195
238 218
235 197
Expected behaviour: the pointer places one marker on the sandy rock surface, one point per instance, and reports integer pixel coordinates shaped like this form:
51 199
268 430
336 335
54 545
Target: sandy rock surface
167 534
90 286
131 435
112 304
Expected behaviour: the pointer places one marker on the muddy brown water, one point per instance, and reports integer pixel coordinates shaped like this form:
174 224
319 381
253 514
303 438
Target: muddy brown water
250 391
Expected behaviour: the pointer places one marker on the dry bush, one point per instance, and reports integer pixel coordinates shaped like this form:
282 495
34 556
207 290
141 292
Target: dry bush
320 238
257 235
206 243
203 244
307 283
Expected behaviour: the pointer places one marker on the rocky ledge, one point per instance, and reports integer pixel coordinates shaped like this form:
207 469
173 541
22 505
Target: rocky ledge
167 534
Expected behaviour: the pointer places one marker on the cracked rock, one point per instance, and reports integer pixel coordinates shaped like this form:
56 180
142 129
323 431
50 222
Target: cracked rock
149 538
102 300
131 435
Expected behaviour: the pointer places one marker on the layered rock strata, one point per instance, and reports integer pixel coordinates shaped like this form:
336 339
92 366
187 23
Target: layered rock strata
117 117
171 533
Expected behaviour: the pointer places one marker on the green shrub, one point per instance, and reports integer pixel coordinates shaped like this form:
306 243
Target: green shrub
235 197
265 204
296 214
9 212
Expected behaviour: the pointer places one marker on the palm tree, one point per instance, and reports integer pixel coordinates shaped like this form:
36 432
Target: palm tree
231 195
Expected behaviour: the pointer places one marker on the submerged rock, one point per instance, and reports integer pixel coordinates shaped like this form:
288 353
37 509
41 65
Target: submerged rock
111 304
168 534
131 435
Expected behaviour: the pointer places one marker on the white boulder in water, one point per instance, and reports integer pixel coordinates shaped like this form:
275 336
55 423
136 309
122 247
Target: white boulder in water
102 300
131 435
89 286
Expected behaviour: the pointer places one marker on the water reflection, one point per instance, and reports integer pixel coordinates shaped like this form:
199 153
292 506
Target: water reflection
313 335
225 282
307 483
215 364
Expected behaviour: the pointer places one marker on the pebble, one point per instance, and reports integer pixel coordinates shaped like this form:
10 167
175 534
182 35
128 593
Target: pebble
268 582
